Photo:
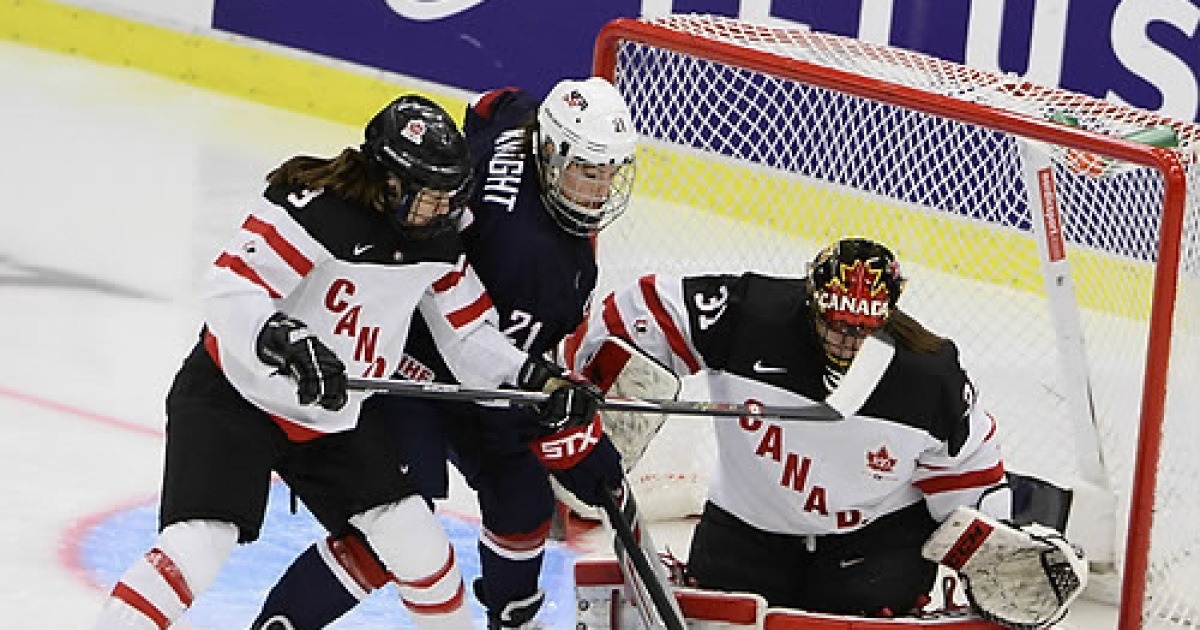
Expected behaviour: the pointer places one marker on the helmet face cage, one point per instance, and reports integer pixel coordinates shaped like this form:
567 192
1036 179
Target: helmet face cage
854 285
413 197
570 189
585 148
417 143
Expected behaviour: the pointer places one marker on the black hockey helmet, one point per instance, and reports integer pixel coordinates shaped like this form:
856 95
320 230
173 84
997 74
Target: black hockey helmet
417 142
853 286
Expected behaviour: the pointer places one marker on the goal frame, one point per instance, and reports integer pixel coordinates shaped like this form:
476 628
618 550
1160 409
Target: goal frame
1167 265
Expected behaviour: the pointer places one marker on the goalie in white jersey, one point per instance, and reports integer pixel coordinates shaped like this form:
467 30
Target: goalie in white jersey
820 516
323 279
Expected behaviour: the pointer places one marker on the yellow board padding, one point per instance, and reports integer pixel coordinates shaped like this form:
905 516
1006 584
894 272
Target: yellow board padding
945 242
205 60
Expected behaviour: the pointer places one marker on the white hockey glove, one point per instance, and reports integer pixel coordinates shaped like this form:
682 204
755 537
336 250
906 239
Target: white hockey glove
1021 578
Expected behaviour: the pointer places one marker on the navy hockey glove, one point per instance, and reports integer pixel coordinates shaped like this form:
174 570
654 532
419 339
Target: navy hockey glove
582 458
320 376
573 400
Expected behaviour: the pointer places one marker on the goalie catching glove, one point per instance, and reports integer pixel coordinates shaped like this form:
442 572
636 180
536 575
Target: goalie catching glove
572 444
320 376
1021 578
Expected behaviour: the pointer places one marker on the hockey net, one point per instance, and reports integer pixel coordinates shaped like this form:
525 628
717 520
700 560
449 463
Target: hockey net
1062 259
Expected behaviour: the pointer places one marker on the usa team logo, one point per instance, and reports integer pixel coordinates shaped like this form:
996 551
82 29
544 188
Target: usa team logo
575 99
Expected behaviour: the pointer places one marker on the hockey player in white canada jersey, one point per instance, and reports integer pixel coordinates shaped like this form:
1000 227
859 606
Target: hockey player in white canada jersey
820 516
323 279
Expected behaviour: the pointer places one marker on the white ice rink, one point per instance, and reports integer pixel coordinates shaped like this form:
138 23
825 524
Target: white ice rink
120 187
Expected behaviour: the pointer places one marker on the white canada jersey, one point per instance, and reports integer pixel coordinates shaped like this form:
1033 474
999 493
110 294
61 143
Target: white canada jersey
346 273
917 435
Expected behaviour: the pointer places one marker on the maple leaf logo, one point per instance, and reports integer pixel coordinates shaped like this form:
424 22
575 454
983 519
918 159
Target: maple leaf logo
881 460
857 295
414 131
859 281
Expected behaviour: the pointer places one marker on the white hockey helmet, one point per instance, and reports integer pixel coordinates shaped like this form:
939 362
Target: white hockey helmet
585 146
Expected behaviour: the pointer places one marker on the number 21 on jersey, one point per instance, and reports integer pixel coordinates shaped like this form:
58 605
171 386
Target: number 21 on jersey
522 325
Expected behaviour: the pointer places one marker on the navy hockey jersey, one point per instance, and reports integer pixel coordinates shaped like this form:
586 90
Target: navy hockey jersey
540 278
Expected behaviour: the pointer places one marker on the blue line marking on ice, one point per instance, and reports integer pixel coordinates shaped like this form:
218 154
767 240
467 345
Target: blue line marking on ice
109 548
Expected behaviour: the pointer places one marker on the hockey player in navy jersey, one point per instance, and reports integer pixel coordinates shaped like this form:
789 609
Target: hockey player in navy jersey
826 517
322 280
552 173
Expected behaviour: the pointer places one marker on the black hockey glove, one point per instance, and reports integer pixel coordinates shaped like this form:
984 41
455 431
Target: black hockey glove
573 400
320 376
598 470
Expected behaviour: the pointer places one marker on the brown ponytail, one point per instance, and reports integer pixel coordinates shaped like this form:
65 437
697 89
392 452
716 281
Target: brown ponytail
350 176
909 333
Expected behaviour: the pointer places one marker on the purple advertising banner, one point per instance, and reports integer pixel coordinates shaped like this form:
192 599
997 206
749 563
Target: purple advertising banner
470 44
1143 52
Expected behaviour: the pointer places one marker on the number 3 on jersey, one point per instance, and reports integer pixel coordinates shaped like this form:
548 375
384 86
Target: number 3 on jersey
710 308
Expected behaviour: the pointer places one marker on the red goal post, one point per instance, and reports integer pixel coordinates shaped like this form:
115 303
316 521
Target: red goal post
1009 201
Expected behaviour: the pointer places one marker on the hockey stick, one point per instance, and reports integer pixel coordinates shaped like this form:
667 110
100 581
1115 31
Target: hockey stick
816 412
1093 490
652 594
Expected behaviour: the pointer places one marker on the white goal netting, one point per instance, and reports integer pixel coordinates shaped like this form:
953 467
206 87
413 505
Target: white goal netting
1024 240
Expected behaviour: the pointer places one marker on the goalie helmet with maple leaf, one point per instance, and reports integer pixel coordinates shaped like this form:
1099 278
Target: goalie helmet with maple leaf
853 287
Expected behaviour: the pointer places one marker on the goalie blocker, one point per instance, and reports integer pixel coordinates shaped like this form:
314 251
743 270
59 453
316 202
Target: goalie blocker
620 369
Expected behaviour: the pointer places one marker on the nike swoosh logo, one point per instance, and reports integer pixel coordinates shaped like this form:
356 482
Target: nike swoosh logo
768 369
846 564
360 249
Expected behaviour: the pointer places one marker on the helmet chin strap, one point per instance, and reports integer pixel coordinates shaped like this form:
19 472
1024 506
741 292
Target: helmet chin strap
835 368
832 376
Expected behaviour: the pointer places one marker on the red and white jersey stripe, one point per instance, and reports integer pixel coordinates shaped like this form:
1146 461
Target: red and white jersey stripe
917 435
360 310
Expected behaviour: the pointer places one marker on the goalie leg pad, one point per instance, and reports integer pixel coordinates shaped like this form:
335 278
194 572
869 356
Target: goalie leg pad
603 602
1023 578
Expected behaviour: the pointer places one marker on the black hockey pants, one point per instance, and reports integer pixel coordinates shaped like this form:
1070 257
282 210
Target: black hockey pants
876 571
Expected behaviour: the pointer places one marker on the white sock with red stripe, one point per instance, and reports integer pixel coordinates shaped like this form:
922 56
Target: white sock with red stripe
413 546
162 584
